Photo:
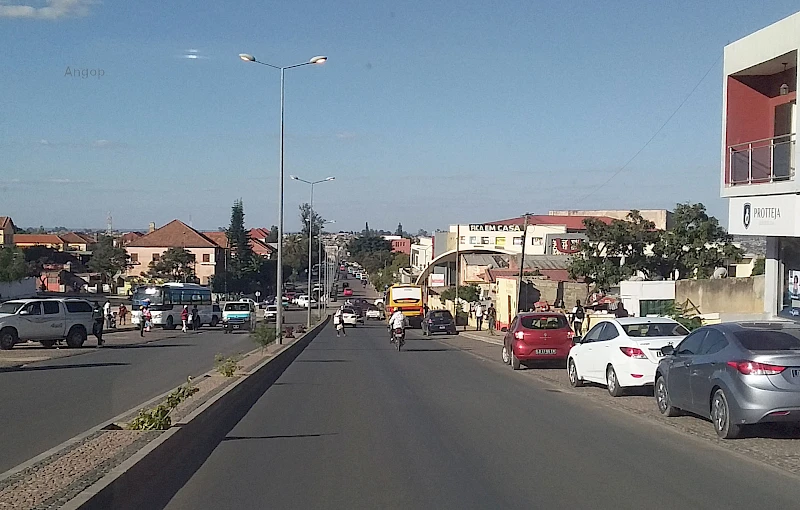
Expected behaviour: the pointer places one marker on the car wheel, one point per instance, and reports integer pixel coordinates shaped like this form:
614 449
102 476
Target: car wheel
721 417
574 380
515 362
214 321
612 383
8 337
505 356
170 325
76 337
662 398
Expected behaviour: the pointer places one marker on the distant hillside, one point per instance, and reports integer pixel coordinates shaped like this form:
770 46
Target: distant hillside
752 245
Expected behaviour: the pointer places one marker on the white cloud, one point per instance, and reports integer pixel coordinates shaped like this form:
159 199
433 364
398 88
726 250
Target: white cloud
52 10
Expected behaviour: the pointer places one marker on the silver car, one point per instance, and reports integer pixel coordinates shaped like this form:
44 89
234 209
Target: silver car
736 374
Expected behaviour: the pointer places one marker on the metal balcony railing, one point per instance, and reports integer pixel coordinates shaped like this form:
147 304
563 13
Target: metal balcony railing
762 161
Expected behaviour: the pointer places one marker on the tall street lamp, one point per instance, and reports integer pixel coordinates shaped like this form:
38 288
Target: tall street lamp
310 234
323 287
279 298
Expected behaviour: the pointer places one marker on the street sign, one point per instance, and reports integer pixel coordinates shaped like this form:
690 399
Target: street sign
258 293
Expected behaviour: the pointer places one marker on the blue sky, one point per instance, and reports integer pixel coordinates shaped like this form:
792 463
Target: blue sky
427 113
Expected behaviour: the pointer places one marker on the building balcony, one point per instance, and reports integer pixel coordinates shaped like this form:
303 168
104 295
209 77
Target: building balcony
769 160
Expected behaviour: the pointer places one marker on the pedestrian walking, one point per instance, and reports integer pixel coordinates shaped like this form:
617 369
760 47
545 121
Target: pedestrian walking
339 323
195 318
185 317
491 316
123 314
479 316
107 313
144 323
578 315
97 323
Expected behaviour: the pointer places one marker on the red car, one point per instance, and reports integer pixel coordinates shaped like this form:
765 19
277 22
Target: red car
347 292
537 337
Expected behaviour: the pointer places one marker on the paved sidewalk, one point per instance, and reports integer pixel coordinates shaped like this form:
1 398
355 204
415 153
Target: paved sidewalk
484 336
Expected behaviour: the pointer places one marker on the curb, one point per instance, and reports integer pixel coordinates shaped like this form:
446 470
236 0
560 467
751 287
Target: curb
152 476
481 338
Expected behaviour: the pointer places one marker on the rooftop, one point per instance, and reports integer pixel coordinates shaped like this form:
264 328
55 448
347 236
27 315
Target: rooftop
175 234
570 222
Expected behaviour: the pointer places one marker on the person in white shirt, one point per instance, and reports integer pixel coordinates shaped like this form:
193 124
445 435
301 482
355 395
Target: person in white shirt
396 321
479 316
107 313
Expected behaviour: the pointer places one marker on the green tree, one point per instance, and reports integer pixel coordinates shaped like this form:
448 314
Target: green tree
601 257
468 293
758 266
362 246
175 264
317 222
108 260
12 264
694 246
273 234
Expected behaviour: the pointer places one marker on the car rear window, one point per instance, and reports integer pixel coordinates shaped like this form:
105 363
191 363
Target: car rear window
763 340
644 329
546 322
78 306
441 314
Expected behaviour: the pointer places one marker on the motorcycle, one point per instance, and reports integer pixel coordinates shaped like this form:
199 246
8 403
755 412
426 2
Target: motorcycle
399 337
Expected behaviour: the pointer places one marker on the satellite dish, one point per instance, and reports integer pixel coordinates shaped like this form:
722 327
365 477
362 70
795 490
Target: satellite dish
719 273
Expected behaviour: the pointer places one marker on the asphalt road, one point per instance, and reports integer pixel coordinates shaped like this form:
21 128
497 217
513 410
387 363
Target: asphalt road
44 404
352 423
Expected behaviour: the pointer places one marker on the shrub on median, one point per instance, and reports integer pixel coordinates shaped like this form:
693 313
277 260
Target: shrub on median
225 366
158 417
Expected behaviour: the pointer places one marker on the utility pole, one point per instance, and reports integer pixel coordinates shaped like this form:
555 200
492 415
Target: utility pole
458 267
522 263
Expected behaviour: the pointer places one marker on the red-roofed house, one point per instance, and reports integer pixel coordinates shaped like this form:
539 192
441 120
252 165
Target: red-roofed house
76 242
6 231
259 234
128 238
209 256
46 240
259 246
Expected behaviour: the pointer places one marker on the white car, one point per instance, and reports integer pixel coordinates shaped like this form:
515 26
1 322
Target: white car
271 313
349 317
375 314
303 301
622 353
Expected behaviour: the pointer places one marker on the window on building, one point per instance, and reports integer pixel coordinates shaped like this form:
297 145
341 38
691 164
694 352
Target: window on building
517 241
473 239
156 257
790 259
206 257
462 240
485 240
500 241
135 258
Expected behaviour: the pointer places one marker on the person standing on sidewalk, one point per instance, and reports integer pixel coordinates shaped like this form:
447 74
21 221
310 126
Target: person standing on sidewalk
339 322
123 313
185 317
195 318
479 316
578 315
491 317
107 313
145 320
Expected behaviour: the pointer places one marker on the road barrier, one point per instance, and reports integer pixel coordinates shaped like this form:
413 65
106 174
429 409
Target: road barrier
152 476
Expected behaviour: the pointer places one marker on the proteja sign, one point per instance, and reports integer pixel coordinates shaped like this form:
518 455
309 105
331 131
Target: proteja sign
770 215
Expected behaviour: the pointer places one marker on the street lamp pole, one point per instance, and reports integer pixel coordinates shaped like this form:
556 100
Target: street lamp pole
323 292
279 276
310 236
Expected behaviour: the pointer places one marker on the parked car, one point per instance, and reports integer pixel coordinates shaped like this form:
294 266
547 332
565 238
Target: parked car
374 313
622 353
304 301
736 374
271 313
46 321
438 321
536 337
349 317
347 292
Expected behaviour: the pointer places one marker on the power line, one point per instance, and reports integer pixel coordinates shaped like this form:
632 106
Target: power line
595 189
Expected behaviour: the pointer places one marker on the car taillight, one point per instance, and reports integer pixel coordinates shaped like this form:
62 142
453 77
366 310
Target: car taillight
570 335
421 311
633 352
519 335
754 368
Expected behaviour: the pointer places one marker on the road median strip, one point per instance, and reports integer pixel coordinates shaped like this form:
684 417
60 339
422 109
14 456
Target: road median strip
111 466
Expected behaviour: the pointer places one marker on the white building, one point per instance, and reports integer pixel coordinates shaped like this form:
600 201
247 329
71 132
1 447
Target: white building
759 160
421 253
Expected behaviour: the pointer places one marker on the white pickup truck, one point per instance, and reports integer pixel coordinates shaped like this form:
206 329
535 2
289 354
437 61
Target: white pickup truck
46 321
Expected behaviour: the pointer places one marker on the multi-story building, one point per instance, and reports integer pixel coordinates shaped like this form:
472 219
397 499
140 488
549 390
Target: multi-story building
6 232
209 256
399 244
759 161
421 253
